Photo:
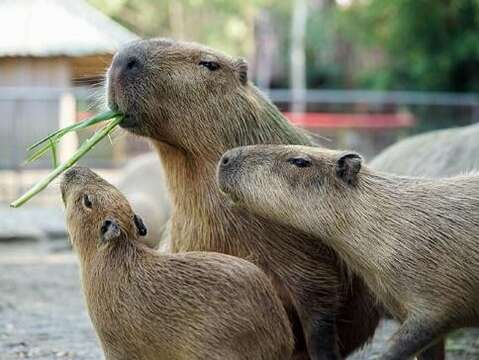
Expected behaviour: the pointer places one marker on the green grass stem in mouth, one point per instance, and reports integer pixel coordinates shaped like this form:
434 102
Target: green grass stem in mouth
56 135
85 147
49 142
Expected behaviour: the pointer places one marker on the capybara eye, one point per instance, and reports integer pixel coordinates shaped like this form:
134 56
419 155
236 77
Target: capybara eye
87 201
210 65
300 162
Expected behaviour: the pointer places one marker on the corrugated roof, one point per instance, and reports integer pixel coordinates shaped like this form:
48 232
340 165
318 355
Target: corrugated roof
57 27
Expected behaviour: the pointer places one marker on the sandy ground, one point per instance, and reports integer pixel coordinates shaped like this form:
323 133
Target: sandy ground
42 313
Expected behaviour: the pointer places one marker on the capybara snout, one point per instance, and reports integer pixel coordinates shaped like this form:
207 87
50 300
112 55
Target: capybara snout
79 176
226 169
130 65
76 175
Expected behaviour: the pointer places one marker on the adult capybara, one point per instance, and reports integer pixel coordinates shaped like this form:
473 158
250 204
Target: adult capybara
145 305
440 153
414 241
194 103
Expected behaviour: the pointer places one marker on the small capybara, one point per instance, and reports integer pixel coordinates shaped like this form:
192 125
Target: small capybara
194 103
145 305
414 241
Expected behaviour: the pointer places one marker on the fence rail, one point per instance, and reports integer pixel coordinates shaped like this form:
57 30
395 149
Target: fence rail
284 96
378 97
27 114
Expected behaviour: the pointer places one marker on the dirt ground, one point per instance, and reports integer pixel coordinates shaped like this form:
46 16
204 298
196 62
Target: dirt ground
42 313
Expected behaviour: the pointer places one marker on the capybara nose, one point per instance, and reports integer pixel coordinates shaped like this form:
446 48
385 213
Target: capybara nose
75 173
125 68
225 160
229 158
125 65
68 177
70 173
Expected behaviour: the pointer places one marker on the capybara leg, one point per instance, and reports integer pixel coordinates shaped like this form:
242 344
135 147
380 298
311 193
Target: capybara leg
434 352
413 336
322 338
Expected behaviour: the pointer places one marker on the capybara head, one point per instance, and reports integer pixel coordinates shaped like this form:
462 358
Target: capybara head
161 85
96 212
288 182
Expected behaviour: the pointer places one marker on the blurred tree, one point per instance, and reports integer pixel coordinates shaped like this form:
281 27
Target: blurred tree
379 44
228 25
416 44
236 26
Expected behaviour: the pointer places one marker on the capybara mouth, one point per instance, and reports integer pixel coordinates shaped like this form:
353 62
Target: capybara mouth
233 198
228 186
129 122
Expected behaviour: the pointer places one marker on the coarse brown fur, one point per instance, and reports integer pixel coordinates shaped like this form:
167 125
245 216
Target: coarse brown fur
192 114
434 154
145 305
415 241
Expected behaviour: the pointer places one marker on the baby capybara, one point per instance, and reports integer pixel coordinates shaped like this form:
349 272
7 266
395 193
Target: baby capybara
414 241
145 305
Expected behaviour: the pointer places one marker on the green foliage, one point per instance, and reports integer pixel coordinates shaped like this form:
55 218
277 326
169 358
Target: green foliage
325 46
377 44
223 24
425 44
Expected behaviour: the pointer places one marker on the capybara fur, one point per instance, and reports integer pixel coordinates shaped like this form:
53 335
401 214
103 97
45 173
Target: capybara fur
414 241
143 183
146 305
434 154
194 103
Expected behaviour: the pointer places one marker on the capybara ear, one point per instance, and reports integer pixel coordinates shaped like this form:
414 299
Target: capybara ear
110 230
140 225
242 68
348 166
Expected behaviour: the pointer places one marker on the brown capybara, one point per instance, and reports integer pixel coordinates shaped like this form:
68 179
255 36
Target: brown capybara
194 103
414 241
434 154
439 153
145 305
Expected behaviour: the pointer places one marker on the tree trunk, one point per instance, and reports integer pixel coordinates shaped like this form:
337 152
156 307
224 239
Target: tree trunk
298 60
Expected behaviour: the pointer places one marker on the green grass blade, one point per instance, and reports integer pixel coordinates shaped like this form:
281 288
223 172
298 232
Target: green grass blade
86 146
54 153
38 153
107 115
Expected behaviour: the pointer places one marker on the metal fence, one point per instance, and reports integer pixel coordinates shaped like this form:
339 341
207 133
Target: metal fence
430 110
27 114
